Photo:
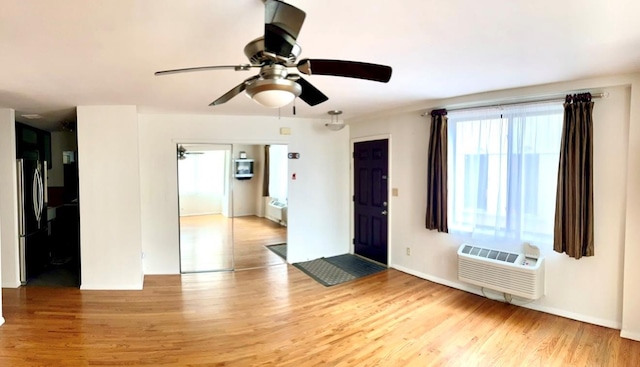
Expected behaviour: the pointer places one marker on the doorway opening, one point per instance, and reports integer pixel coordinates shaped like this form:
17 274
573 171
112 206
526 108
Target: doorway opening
48 206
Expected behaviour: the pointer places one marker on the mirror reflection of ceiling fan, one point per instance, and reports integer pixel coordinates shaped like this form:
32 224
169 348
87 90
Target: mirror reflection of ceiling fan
182 152
275 53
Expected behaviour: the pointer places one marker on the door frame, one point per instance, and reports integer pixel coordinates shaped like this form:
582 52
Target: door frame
389 188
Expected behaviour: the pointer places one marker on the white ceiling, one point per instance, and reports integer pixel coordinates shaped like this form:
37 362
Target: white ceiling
55 55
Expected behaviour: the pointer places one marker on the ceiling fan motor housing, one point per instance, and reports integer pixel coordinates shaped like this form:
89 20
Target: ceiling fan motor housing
256 54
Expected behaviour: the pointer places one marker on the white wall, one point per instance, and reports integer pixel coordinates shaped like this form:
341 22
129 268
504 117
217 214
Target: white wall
245 201
8 200
109 197
319 200
631 290
60 141
590 289
1 318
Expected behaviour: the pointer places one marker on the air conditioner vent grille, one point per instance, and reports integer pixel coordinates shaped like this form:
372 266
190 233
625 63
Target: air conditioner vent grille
490 254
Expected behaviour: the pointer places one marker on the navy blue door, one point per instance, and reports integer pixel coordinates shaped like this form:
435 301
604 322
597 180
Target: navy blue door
371 169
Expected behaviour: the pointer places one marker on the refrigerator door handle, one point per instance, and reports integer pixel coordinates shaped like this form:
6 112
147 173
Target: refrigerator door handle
21 214
41 194
44 176
35 190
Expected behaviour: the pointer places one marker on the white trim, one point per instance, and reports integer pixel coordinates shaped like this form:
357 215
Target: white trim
460 286
389 187
231 141
9 284
575 316
630 335
550 310
109 287
1 321
369 138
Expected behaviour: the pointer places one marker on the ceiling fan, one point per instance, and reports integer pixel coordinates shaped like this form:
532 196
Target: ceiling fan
182 152
275 53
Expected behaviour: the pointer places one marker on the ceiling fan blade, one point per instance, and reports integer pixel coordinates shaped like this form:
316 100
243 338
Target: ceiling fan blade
349 69
310 94
282 23
203 68
234 92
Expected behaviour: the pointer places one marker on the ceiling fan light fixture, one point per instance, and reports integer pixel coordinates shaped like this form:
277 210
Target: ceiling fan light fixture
335 124
274 93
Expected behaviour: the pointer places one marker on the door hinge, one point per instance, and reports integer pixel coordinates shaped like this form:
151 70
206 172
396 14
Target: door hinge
353 198
353 241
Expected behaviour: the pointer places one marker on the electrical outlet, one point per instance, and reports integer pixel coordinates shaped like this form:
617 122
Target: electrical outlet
408 251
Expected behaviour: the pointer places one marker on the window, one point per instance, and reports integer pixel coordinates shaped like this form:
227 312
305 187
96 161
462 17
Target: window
278 175
503 166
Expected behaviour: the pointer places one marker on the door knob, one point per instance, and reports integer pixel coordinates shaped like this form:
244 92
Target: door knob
384 212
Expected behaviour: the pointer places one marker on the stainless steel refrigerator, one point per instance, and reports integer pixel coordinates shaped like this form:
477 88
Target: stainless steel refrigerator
32 217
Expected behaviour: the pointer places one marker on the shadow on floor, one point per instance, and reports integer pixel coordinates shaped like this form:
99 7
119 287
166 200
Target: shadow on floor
63 273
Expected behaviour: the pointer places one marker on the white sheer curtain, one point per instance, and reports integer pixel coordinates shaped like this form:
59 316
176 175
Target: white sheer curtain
503 166
278 172
201 183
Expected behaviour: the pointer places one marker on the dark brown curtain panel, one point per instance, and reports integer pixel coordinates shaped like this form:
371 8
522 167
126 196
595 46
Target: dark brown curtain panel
437 174
573 232
265 175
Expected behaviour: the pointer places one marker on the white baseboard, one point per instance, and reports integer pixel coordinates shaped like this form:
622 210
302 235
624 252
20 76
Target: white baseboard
111 287
1 321
550 310
448 283
630 335
575 316
11 285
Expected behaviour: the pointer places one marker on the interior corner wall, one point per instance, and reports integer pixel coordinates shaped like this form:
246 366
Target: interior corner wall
631 290
1 318
259 175
109 197
319 202
244 191
589 289
9 268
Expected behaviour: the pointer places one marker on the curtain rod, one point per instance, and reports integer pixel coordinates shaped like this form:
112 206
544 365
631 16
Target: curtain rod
515 101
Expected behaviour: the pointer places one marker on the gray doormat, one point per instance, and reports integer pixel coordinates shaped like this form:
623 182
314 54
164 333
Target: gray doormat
338 269
279 249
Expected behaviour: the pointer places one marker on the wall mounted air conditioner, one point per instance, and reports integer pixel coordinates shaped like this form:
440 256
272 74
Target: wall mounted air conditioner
518 274
276 211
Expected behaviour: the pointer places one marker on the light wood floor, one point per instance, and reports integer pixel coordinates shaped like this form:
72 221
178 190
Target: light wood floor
215 242
278 316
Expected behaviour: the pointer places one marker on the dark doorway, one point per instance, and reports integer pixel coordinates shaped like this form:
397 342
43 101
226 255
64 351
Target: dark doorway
371 169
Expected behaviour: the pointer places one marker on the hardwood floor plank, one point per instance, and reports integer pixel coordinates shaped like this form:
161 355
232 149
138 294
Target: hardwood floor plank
215 242
278 316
